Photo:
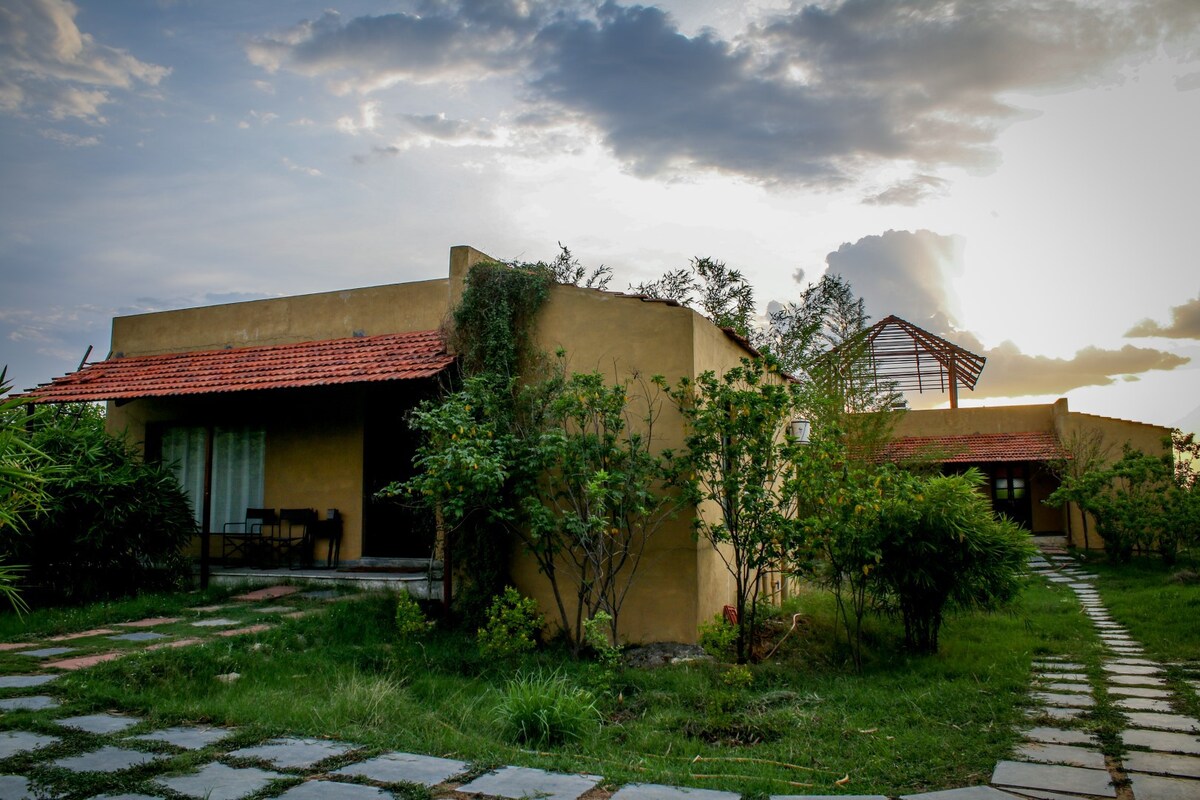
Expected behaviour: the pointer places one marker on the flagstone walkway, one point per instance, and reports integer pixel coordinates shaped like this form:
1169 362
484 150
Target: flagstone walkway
1059 761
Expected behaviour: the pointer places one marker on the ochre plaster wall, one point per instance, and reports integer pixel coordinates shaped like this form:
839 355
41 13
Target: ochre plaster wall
680 582
963 421
394 308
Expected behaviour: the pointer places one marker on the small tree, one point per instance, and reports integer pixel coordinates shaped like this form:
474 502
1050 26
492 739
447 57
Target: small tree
942 546
1087 452
599 496
712 288
737 461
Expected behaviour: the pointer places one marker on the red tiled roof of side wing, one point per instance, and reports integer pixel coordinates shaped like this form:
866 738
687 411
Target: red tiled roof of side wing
386 357
977 448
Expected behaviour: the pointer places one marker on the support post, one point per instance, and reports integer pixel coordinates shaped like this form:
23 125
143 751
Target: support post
206 513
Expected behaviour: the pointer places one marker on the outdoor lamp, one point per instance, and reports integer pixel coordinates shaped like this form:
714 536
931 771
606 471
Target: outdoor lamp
798 430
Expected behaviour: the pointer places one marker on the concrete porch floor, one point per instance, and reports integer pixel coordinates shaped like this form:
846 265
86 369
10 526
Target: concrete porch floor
415 583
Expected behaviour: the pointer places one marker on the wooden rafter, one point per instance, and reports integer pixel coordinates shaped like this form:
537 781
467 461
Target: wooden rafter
900 356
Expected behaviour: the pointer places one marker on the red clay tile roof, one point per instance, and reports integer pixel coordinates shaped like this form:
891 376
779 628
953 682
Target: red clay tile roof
977 448
387 357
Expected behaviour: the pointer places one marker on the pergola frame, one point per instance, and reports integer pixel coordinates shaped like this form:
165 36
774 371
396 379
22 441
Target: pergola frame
898 355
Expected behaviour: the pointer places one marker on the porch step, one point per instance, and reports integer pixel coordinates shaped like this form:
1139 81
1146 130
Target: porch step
415 583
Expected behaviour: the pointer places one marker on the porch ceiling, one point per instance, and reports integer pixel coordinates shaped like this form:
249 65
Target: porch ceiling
977 448
364 359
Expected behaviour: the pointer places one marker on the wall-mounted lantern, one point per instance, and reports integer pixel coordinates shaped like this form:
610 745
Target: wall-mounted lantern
798 430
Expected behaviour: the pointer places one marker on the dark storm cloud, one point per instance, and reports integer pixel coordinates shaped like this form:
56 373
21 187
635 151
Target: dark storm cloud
813 96
1185 323
904 273
441 41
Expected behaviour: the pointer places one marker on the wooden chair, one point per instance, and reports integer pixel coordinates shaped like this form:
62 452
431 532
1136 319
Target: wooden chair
247 538
295 534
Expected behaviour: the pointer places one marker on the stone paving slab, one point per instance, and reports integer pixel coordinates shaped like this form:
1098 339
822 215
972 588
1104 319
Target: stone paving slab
83 662
69 637
106 759
1078 677
1058 666
37 702
1074 780
140 636
1131 669
186 736
406 768
1144 662
331 790
47 652
1144 704
219 782
1163 722
1154 787
1058 700
13 742
176 643
1161 763
1058 736
1139 691
259 628
518 782
14 787
269 593
210 609
25 681
99 723
293 753
127 797
215 622
149 622
654 791
965 793
1074 687
1136 680
1066 754
1163 741
1057 714
274 609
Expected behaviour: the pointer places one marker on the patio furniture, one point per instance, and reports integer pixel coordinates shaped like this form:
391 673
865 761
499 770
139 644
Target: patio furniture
329 528
294 537
247 538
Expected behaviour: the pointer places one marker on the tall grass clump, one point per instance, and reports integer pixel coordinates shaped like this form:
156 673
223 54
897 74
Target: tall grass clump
545 709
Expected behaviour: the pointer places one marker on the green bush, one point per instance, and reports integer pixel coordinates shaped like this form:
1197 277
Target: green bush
944 547
512 627
545 710
111 524
718 637
411 623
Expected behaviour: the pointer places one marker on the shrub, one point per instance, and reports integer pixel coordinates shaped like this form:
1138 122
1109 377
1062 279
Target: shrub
545 710
410 619
718 637
595 633
111 524
512 627
945 547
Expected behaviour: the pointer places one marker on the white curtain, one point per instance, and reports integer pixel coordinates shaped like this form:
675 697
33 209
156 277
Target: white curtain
183 450
239 455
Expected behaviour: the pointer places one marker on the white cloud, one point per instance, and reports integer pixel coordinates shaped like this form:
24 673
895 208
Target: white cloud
312 172
69 139
51 67
365 122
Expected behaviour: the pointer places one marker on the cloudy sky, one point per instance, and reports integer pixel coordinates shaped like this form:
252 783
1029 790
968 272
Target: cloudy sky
1017 175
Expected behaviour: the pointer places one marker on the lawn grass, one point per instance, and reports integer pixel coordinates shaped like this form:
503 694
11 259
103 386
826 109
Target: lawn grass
1160 605
803 723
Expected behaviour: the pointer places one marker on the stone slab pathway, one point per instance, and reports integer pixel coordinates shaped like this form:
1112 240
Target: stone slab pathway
1161 762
